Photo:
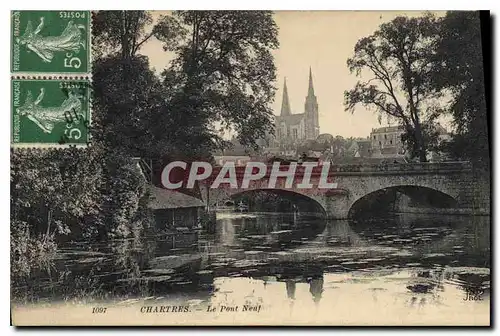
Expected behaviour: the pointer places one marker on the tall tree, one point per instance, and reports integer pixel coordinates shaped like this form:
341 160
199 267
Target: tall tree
126 96
222 75
122 32
459 69
396 60
127 93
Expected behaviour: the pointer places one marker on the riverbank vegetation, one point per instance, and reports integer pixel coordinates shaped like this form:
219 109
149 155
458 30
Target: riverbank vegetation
222 72
221 77
416 70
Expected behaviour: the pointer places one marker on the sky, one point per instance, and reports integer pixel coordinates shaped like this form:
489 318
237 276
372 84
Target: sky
322 40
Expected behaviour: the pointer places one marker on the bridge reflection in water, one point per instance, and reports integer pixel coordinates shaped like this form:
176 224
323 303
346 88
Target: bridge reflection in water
407 261
402 269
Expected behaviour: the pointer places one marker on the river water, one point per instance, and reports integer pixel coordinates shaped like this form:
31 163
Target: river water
285 269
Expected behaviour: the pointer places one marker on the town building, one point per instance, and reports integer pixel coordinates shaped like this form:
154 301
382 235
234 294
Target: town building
361 148
294 127
173 209
442 134
237 154
386 142
238 158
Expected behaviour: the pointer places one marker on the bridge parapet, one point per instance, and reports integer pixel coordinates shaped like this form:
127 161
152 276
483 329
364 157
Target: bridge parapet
413 167
396 168
350 183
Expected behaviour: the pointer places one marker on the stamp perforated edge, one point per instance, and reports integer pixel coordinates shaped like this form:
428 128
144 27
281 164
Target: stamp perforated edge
21 146
59 76
73 73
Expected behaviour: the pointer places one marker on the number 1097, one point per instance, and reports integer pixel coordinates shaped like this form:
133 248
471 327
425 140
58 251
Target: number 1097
98 310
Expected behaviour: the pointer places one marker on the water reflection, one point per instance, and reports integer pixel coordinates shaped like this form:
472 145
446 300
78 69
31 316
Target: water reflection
274 260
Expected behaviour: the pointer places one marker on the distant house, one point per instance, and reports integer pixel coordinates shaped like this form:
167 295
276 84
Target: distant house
289 152
238 154
173 209
314 154
238 160
362 148
272 151
443 134
386 142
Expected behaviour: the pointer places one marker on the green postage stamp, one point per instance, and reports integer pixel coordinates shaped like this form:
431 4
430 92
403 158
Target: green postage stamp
51 42
50 112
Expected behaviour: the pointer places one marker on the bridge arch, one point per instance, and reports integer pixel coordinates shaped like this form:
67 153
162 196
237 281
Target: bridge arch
400 198
288 194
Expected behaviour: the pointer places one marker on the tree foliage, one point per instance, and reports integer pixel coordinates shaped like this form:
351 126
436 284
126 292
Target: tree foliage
223 74
430 136
127 96
127 99
53 189
397 59
53 193
458 68
122 32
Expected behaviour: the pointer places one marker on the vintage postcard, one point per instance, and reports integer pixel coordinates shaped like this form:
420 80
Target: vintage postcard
250 168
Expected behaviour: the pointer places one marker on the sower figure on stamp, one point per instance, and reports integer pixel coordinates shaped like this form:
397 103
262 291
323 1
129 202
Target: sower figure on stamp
70 40
47 117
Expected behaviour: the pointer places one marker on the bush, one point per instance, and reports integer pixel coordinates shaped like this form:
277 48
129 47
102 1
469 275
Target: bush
28 253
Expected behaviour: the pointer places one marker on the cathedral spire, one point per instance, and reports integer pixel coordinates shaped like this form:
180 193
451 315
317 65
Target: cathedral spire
285 103
310 91
311 126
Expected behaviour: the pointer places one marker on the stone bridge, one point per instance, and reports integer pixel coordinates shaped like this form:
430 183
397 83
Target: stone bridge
447 187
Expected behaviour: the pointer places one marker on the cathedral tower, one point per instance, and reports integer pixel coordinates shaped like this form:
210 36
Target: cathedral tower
311 111
285 103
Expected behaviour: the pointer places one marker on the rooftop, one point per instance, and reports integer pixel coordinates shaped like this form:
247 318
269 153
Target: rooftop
292 119
169 199
388 129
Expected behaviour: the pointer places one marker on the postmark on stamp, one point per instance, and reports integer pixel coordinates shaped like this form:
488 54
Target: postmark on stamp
50 41
50 113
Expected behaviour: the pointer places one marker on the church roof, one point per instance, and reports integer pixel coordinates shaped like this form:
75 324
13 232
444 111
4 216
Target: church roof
440 129
168 199
292 119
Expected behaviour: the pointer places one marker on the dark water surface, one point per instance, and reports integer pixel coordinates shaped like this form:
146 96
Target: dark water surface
432 266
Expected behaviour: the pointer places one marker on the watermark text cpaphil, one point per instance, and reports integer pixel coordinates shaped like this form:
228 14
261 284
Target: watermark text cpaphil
307 175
